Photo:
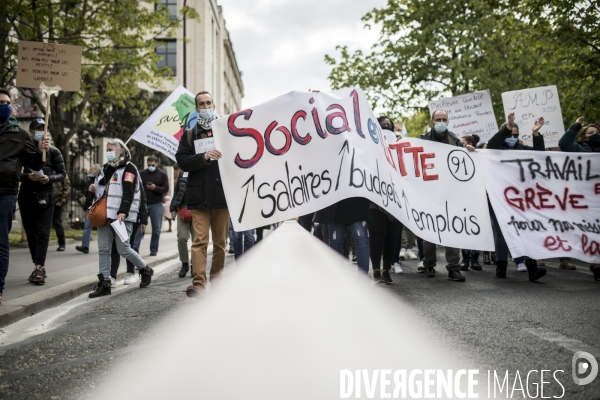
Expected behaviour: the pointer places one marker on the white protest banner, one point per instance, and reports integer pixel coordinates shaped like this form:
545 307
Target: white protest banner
547 203
531 104
469 114
167 124
302 152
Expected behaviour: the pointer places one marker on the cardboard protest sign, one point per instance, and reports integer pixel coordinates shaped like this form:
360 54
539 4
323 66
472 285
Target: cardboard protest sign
531 104
302 152
547 203
469 114
50 64
168 123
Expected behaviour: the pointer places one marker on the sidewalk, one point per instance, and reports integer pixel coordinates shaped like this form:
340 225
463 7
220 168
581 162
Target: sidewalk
70 273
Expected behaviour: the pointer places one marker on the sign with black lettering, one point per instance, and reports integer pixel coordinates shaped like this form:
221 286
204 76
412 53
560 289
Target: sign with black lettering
50 64
302 152
547 203
531 104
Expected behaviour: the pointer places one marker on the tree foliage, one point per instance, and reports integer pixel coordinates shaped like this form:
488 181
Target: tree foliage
430 49
118 40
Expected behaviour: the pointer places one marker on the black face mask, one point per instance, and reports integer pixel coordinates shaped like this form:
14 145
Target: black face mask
594 140
384 126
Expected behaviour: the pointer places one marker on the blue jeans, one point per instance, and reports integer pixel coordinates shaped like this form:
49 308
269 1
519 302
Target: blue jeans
155 211
106 235
360 234
242 242
87 232
7 210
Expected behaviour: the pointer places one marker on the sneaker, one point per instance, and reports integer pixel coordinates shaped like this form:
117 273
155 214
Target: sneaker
397 269
565 263
486 258
146 276
429 272
229 252
521 267
82 249
456 276
113 282
61 248
411 255
475 266
386 278
377 277
464 265
152 253
353 258
403 254
129 279
420 266
39 275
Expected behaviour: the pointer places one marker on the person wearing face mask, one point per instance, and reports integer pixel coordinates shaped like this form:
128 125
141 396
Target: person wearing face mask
507 138
89 198
439 133
204 195
119 180
155 184
17 149
581 139
36 203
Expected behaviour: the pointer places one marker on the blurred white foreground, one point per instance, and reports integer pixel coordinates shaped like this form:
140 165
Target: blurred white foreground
282 326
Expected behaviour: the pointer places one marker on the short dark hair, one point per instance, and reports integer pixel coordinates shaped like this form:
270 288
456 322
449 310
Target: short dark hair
4 91
199 93
438 110
153 158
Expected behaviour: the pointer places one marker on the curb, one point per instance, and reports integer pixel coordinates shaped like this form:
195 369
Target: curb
17 309
51 243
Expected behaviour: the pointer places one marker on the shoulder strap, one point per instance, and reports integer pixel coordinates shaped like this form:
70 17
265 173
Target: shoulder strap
189 136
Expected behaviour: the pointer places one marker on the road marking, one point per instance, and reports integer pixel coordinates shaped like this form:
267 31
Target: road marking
563 341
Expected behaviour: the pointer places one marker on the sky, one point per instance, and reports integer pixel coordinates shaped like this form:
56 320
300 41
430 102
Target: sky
280 45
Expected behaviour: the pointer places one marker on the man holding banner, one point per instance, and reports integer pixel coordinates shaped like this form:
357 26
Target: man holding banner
440 133
204 194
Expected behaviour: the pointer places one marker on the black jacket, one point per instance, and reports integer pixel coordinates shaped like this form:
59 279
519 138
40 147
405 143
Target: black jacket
89 197
54 163
179 193
450 139
128 187
497 141
17 149
204 187
143 211
160 179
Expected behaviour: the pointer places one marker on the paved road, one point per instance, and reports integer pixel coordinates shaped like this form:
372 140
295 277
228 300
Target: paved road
503 325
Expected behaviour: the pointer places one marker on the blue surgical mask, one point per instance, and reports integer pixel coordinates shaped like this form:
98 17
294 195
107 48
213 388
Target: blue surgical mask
151 168
440 127
111 156
206 113
38 135
511 141
5 112
91 175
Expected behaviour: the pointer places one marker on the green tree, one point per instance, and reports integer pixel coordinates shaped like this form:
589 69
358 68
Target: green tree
118 40
430 49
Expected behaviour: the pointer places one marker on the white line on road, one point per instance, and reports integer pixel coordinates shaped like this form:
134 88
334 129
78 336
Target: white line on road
566 342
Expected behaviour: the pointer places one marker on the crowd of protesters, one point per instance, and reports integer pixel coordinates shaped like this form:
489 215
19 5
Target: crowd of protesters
120 194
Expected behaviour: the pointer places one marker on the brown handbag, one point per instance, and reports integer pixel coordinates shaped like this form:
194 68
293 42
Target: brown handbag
97 213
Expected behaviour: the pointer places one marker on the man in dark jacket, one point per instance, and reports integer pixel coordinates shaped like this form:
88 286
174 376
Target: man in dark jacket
439 133
17 149
184 228
204 195
156 184
36 203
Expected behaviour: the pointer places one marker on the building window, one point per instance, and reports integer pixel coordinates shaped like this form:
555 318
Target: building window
168 50
171 5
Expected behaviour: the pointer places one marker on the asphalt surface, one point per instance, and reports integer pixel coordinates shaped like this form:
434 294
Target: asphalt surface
503 325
